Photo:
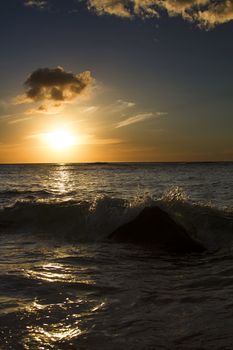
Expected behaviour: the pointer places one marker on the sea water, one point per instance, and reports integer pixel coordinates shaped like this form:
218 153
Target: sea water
63 285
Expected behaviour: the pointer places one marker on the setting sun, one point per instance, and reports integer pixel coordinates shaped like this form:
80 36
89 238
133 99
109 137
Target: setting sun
60 139
116 174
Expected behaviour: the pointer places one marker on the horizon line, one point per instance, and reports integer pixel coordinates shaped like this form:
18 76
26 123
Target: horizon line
119 162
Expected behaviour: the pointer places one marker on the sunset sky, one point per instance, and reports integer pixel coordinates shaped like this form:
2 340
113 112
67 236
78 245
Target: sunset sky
116 80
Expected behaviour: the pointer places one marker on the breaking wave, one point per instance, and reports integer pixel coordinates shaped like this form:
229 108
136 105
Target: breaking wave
95 220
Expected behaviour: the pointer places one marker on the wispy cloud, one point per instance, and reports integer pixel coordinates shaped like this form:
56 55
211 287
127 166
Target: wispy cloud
48 108
90 109
9 116
85 139
36 3
92 140
135 119
125 104
3 107
14 118
18 120
121 105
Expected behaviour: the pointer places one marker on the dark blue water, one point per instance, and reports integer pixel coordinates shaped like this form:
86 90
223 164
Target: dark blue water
62 286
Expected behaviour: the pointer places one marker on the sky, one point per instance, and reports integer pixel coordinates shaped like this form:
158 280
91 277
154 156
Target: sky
116 80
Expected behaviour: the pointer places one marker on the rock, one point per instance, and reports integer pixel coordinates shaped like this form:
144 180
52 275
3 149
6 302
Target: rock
153 226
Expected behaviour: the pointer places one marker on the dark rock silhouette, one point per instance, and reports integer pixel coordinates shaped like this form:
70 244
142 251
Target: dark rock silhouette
153 226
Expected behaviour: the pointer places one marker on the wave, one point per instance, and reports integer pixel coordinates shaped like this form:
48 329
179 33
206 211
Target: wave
13 196
16 193
95 220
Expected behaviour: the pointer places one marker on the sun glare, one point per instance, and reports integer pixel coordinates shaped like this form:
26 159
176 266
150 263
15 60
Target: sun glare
60 139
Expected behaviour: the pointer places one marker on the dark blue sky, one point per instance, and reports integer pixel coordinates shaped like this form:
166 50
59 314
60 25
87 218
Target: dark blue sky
165 66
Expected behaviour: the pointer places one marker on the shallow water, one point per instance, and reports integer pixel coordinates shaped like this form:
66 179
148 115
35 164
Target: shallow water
63 286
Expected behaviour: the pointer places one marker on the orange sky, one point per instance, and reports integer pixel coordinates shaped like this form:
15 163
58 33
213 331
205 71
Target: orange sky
126 87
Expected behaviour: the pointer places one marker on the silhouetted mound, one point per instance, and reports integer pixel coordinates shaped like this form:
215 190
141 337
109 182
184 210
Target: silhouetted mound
155 226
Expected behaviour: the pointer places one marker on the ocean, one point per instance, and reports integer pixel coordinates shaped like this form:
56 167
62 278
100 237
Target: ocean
64 285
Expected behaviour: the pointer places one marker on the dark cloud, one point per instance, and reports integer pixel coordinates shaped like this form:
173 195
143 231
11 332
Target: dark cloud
56 85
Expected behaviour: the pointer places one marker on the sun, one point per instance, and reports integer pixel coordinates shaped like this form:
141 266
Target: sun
60 139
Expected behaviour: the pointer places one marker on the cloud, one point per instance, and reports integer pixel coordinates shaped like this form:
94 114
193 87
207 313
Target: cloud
111 7
92 140
48 108
3 107
36 3
135 119
14 118
54 85
217 13
8 116
125 104
207 13
121 105
19 120
90 109
85 139
160 114
141 117
125 8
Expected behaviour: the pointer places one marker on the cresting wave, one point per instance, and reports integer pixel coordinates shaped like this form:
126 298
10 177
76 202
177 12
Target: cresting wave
16 192
95 220
27 194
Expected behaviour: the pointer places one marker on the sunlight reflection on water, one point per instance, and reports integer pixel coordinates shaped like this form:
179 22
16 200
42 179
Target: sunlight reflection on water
51 335
69 312
58 273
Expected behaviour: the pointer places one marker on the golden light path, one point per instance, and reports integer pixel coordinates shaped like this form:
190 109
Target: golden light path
63 320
